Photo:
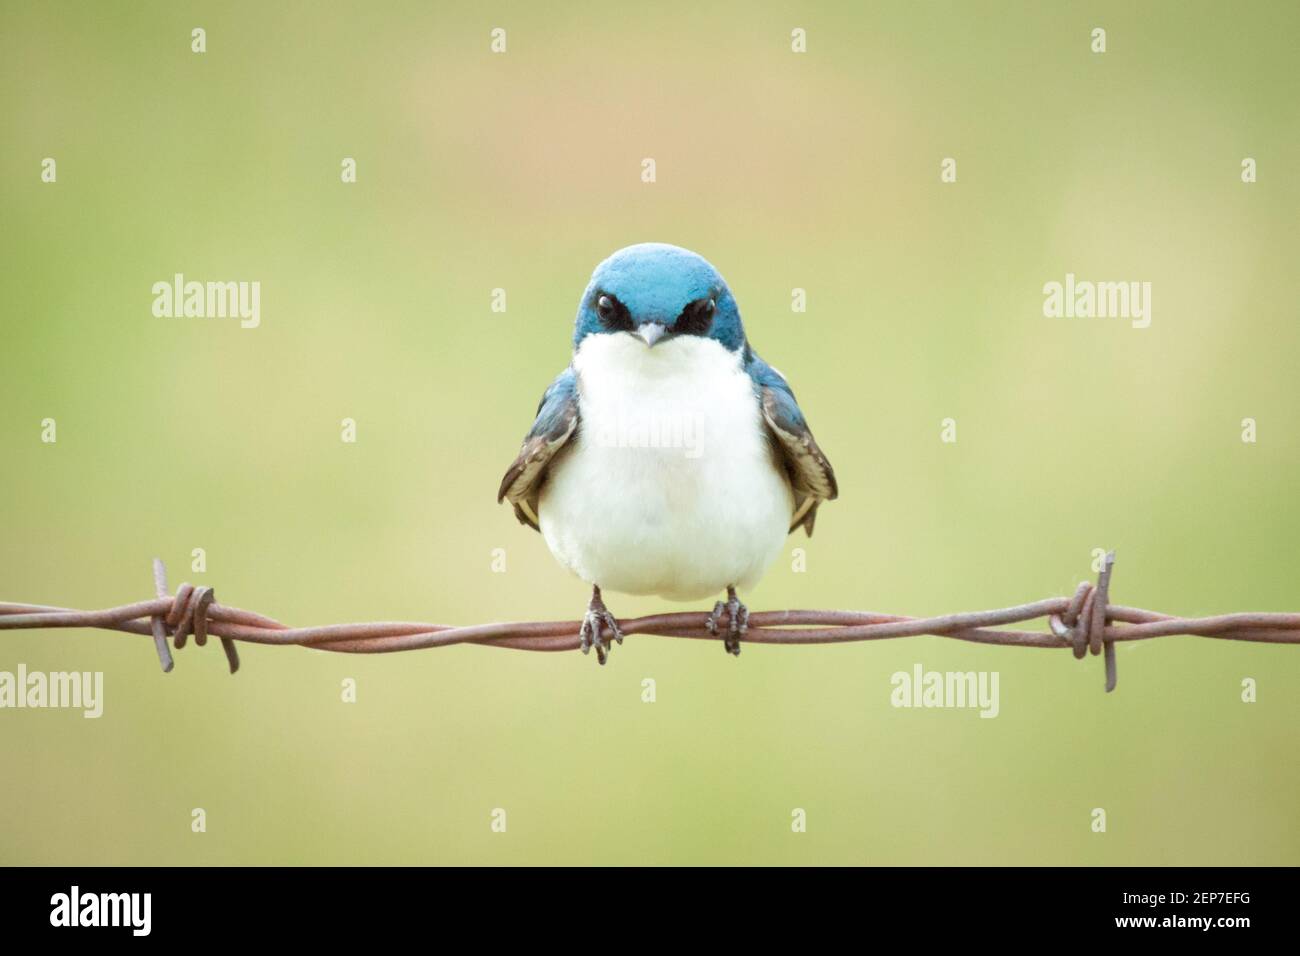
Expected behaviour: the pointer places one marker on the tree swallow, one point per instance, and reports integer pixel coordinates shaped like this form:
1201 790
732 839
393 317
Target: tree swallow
668 458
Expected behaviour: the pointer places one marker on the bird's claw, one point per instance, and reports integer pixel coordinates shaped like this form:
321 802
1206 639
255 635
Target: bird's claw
737 622
595 623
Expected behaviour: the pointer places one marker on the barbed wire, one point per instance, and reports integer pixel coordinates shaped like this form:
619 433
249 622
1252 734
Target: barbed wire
1086 623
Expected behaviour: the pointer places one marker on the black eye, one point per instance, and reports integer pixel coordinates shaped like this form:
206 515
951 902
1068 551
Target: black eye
613 314
696 317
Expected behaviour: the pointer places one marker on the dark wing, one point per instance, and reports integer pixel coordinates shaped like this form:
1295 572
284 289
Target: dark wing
810 473
557 419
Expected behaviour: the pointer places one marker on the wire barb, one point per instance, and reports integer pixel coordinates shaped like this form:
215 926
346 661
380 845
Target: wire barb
157 623
1086 622
187 614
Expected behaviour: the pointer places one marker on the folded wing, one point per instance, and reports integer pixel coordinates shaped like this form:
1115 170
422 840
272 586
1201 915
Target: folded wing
810 473
557 420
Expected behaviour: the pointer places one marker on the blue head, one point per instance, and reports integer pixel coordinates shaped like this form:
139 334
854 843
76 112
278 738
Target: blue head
658 292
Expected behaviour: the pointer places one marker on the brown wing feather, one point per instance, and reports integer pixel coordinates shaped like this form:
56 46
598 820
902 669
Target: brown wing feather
523 479
811 475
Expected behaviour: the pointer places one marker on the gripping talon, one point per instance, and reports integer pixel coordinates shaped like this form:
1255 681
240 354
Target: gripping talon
714 618
595 623
737 621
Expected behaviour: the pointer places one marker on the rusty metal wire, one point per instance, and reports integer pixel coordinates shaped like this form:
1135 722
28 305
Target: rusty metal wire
1086 623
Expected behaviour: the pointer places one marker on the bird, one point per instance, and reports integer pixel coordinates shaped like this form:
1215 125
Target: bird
668 458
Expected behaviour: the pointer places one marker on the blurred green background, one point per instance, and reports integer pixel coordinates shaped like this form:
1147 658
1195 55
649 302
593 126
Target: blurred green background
522 171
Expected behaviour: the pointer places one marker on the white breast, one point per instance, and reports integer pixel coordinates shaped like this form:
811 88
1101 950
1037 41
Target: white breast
670 486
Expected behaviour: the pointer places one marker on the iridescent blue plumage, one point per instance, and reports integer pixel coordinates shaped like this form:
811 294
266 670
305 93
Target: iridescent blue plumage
656 282
607 472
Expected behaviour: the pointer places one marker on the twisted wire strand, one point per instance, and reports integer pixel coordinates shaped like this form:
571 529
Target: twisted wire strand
1087 623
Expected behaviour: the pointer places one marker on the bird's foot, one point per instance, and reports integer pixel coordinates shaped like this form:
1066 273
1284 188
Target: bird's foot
595 622
737 621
